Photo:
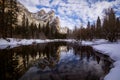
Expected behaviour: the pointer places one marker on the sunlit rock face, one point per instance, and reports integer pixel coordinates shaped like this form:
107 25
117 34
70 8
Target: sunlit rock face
63 30
41 17
41 13
23 11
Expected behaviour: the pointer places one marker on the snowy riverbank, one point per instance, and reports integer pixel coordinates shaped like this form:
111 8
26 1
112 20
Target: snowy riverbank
113 50
110 49
12 42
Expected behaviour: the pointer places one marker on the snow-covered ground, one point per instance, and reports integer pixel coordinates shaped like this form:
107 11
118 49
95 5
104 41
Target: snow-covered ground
113 50
102 45
110 49
95 42
12 42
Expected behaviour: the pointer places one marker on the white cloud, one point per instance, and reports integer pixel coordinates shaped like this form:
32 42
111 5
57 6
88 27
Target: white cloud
67 23
87 10
46 9
30 5
32 9
55 2
44 3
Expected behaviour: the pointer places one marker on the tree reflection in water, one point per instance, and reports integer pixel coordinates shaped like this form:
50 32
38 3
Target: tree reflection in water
52 61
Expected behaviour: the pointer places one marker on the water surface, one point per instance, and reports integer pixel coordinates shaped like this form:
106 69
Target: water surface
53 61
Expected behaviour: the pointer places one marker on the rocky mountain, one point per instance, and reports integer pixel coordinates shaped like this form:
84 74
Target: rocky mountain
40 17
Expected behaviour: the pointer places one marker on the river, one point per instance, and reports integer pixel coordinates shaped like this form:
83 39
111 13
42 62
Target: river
53 61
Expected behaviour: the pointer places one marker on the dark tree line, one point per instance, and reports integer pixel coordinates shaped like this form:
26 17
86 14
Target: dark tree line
109 29
8 17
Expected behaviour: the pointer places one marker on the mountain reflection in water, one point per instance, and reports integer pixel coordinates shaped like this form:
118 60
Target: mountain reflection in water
53 61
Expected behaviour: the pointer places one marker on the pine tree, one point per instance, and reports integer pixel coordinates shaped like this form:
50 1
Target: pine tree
27 28
31 30
117 28
93 31
88 25
47 29
35 30
98 24
12 16
98 28
23 26
8 17
89 32
39 28
111 25
2 18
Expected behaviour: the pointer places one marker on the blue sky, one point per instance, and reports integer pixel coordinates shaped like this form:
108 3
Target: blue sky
74 12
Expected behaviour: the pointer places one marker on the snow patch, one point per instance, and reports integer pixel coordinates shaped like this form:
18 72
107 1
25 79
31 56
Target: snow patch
95 42
113 50
12 42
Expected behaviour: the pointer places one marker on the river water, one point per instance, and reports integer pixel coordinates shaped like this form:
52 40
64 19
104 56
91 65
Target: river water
53 61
